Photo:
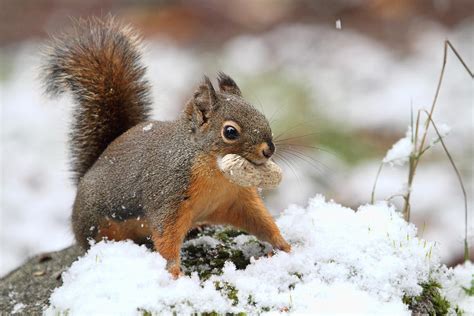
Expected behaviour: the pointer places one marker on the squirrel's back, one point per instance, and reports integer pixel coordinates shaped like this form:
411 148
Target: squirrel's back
99 63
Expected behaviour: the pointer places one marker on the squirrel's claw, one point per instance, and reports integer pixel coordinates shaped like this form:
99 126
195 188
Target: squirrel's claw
174 269
282 245
286 247
177 275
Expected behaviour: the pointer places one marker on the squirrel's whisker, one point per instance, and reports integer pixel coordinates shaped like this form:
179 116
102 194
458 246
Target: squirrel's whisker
290 145
277 140
303 158
277 110
322 164
289 164
306 122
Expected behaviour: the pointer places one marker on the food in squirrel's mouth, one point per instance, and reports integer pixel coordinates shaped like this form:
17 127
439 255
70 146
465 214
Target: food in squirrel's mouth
242 172
255 163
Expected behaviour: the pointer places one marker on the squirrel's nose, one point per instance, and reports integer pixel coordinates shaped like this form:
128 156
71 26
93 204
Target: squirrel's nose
268 149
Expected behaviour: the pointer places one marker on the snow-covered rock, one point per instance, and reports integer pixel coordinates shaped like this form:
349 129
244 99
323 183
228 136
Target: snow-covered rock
342 261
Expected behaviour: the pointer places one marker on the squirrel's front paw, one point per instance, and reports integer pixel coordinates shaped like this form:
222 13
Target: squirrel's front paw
286 247
282 245
174 269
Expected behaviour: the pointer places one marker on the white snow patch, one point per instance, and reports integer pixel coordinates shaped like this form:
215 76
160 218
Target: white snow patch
147 127
439 219
341 261
454 282
18 308
250 247
121 278
443 130
203 240
400 151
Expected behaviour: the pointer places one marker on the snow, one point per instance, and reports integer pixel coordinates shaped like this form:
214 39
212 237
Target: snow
204 240
122 277
147 127
342 261
249 247
439 219
400 152
18 308
444 130
455 281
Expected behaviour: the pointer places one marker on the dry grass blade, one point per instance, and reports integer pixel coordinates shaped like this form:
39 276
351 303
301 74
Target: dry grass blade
372 196
461 183
420 149
415 159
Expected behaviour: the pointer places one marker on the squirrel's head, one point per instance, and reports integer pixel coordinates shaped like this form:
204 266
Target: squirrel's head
229 124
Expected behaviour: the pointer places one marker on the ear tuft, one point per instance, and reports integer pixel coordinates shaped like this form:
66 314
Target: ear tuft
212 92
205 101
227 84
205 96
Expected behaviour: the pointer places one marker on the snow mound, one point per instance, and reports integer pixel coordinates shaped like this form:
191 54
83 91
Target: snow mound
361 262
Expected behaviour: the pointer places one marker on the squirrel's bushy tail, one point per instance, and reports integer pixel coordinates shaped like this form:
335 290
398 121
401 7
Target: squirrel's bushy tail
99 63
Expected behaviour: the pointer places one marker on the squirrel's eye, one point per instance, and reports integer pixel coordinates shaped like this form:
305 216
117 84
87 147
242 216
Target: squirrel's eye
231 133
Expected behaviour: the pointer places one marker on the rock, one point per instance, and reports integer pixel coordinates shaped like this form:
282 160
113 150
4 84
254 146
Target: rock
32 283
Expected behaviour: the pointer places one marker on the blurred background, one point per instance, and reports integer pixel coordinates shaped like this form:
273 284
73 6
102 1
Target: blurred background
341 76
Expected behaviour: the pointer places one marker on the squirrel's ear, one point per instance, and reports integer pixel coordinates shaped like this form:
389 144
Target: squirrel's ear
203 103
227 84
205 97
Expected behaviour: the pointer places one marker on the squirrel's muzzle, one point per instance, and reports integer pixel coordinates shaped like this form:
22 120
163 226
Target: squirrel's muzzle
267 149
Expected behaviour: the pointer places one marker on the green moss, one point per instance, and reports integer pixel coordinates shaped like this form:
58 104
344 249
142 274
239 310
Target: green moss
429 302
145 312
251 301
217 314
459 311
205 260
225 234
299 276
228 290
210 314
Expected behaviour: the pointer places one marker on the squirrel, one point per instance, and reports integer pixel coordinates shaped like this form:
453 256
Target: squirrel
148 180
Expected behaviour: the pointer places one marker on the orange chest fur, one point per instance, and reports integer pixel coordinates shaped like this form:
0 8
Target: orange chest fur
209 190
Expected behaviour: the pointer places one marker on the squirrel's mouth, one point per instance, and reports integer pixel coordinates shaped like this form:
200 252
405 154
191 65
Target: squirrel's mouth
256 163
